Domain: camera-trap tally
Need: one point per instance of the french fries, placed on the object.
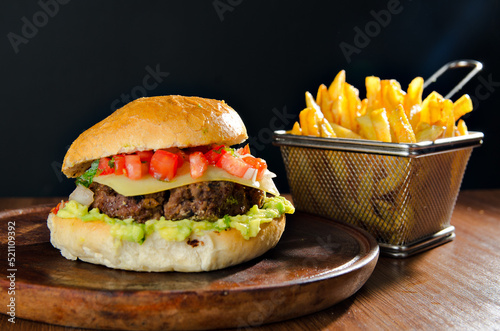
(387, 114)
(376, 192)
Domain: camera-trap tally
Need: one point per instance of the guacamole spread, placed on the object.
(248, 224)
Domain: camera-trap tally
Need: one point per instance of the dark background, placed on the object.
(71, 68)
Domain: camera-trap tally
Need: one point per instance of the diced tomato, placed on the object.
(256, 163)
(215, 153)
(133, 166)
(213, 156)
(244, 150)
(104, 168)
(198, 164)
(183, 157)
(164, 165)
(233, 165)
(119, 161)
(145, 156)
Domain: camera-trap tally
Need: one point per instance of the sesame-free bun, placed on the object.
(153, 123)
(92, 242)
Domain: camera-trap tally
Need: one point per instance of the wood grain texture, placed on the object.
(455, 285)
(316, 264)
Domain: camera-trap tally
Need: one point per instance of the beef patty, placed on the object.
(197, 201)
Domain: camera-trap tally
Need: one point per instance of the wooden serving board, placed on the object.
(316, 264)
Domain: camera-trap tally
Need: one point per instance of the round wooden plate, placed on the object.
(316, 264)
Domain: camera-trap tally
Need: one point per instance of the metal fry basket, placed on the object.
(403, 194)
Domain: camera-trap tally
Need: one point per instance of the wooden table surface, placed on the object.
(453, 286)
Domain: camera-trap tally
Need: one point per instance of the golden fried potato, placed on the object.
(400, 126)
(343, 132)
(381, 125)
(462, 106)
(388, 113)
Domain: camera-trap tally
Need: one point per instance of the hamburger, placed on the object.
(161, 187)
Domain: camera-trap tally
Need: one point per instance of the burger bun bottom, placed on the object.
(92, 242)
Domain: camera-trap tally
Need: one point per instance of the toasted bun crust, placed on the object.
(154, 123)
(92, 242)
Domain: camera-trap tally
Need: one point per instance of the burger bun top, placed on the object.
(153, 123)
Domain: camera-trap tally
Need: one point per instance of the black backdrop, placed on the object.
(66, 65)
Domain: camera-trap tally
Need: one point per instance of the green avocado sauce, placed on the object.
(248, 224)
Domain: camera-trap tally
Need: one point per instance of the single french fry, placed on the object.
(431, 108)
(319, 96)
(427, 132)
(381, 125)
(311, 104)
(342, 132)
(336, 110)
(414, 116)
(296, 129)
(312, 122)
(364, 105)
(366, 127)
(372, 93)
(393, 94)
(462, 106)
(449, 119)
(325, 129)
(324, 102)
(303, 122)
(335, 89)
(384, 87)
(400, 126)
(462, 128)
(353, 105)
(414, 94)
(345, 117)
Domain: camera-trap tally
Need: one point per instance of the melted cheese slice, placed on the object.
(147, 184)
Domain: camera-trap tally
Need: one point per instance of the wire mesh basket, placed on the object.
(403, 194)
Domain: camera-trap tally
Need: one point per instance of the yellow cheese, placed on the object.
(147, 184)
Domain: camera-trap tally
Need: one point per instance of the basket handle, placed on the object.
(478, 66)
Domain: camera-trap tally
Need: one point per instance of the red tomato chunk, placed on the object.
(164, 165)
(233, 165)
(133, 166)
(198, 164)
(119, 168)
(104, 166)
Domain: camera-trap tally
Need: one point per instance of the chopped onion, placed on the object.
(82, 195)
(269, 174)
(251, 174)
